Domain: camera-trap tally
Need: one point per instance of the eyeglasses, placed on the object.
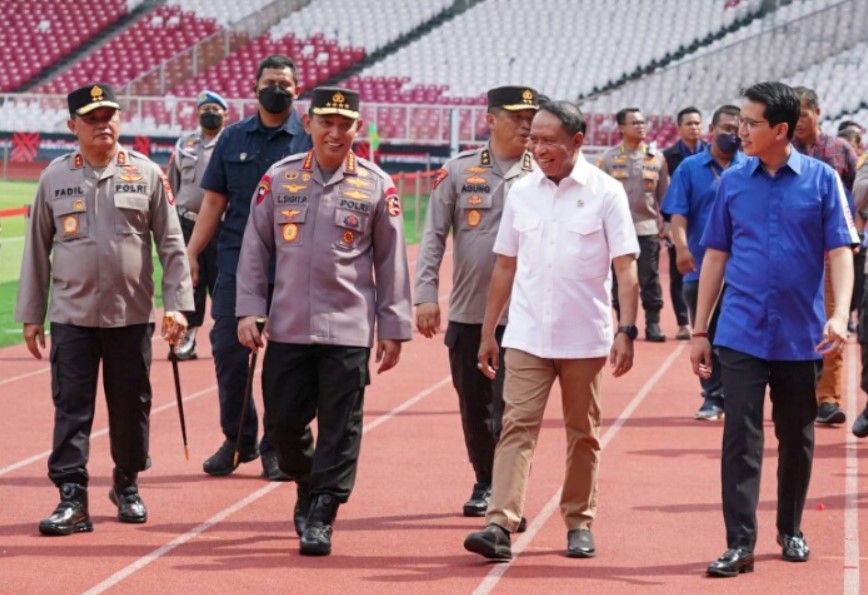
(751, 124)
(637, 123)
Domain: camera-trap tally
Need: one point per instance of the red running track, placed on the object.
(659, 521)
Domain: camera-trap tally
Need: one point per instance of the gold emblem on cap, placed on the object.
(338, 100)
(96, 93)
(527, 96)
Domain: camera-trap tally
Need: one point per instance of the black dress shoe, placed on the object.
(795, 549)
(580, 544)
(302, 507)
(271, 468)
(493, 543)
(860, 426)
(654, 334)
(125, 495)
(317, 537)
(222, 462)
(71, 514)
(733, 562)
(478, 502)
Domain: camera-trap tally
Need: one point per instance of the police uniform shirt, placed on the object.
(332, 239)
(187, 167)
(244, 152)
(467, 196)
(645, 178)
(97, 228)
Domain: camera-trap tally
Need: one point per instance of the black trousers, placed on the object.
(793, 388)
(328, 382)
(712, 387)
(126, 363)
(862, 335)
(207, 274)
(480, 400)
(676, 291)
(650, 292)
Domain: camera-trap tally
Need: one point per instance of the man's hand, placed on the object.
(34, 337)
(388, 354)
(428, 319)
(488, 356)
(249, 335)
(684, 261)
(700, 356)
(621, 355)
(174, 327)
(834, 337)
(193, 260)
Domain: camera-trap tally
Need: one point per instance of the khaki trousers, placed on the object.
(829, 387)
(529, 380)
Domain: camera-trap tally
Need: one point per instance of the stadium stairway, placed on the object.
(404, 40)
(93, 44)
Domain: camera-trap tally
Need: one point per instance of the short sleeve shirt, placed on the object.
(564, 237)
(776, 230)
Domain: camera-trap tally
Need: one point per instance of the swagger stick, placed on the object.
(168, 323)
(248, 391)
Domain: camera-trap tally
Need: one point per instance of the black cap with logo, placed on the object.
(325, 101)
(513, 99)
(88, 98)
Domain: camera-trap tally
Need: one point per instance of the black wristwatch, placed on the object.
(629, 330)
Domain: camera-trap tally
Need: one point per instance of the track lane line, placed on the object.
(851, 484)
(158, 553)
(104, 431)
(494, 576)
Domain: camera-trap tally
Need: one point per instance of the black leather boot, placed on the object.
(125, 495)
(317, 537)
(302, 506)
(71, 515)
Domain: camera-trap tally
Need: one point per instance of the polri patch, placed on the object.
(439, 177)
(263, 188)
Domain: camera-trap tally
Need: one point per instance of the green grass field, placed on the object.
(14, 195)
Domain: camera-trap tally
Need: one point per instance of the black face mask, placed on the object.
(274, 99)
(210, 120)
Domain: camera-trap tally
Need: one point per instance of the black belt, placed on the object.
(187, 214)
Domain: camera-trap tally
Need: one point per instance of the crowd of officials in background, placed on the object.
(300, 244)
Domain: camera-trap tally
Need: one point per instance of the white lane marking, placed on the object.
(181, 540)
(851, 482)
(491, 580)
(104, 431)
(122, 574)
(23, 376)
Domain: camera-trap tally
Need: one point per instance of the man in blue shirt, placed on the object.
(689, 122)
(773, 219)
(686, 206)
(243, 154)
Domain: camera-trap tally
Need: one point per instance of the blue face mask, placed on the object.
(728, 143)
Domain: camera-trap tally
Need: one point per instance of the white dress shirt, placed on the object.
(565, 237)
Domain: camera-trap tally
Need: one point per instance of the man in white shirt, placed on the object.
(562, 227)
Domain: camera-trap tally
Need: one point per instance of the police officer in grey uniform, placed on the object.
(97, 215)
(467, 197)
(186, 168)
(643, 172)
(333, 222)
